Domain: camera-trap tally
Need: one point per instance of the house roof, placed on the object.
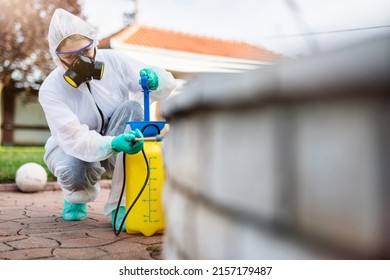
(153, 37)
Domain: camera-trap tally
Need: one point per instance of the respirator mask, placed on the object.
(82, 69)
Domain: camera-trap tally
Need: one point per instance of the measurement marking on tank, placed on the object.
(151, 189)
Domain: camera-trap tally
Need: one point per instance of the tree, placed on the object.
(24, 51)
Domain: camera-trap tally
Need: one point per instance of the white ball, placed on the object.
(31, 177)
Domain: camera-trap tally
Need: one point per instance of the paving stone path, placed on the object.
(31, 227)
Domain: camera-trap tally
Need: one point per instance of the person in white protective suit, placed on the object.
(87, 100)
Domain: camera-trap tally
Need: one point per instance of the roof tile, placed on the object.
(147, 36)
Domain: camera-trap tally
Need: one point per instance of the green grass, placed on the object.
(11, 158)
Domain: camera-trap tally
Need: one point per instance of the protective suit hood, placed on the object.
(64, 24)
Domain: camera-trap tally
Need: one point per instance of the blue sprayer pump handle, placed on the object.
(147, 127)
(145, 87)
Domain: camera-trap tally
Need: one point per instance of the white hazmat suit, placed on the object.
(84, 121)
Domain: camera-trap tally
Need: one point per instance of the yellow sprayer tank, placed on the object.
(147, 214)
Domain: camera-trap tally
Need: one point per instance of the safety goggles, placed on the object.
(83, 51)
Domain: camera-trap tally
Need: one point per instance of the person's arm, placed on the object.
(74, 138)
(160, 77)
(129, 70)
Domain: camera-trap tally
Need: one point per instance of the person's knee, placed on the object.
(133, 110)
(128, 111)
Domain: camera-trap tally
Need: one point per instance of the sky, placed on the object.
(273, 24)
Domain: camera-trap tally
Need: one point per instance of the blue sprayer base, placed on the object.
(148, 128)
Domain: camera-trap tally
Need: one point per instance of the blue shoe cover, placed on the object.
(121, 214)
(74, 211)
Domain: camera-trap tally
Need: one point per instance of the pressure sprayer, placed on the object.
(144, 177)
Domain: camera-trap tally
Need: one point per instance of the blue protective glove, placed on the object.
(125, 142)
(152, 78)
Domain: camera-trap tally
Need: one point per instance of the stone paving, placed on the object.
(31, 228)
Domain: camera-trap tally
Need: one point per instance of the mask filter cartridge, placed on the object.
(83, 69)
